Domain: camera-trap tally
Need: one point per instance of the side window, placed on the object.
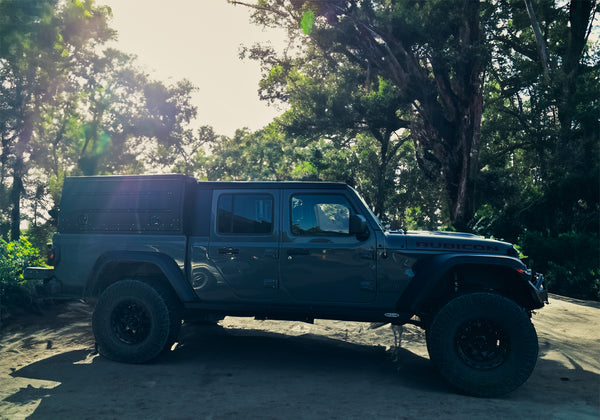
(245, 214)
(320, 214)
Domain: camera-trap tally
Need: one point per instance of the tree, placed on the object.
(127, 116)
(335, 102)
(264, 155)
(542, 120)
(37, 44)
(541, 180)
(434, 54)
(69, 106)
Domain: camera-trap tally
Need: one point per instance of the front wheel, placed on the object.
(483, 344)
(131, 322)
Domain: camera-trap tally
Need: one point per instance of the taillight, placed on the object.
(52, 255)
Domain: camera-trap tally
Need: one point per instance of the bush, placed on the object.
(570, 262)
(14, 257)
(40, 236)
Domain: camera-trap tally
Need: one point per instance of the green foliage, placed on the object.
(304, 170)
(374, 67)
(540, 167)
(43, 44)
(40, 235)
(14, 257)
(70, 105)
(267, 154)
(568, 260)
(307, 22)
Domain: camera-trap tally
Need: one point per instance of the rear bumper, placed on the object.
(47, 284)
(38, 273)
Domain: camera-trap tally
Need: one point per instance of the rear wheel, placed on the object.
(174, 306)
(483, 344)
(131, 322)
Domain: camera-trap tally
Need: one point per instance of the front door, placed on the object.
(321, 261)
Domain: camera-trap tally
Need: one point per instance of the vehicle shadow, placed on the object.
(220, 372)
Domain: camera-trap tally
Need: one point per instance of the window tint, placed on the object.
(314, 214)
(245, 213)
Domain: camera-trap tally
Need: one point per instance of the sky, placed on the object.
(199, 40)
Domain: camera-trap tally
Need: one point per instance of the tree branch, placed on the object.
(539, 39)
(258, 7)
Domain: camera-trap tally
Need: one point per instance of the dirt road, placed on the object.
(244, 368)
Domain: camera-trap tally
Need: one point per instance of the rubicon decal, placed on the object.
(457, 246)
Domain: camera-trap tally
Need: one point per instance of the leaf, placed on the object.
(307, 22)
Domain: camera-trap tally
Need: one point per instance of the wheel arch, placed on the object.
(114, 266)
(443, 277)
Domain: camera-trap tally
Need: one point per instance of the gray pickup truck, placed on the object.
(151, 251)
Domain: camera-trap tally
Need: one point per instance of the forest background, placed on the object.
(471, 115)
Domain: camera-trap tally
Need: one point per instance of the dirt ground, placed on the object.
(244, 368)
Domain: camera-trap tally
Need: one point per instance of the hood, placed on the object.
(449, 242)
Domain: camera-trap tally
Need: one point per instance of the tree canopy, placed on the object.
(431, 55)
(71, 105)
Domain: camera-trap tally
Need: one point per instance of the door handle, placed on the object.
(298, 251)
(228, 251)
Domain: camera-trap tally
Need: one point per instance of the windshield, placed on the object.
(379, 224)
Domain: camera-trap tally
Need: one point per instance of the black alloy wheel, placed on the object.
(482, 344)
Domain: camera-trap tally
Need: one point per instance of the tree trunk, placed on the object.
(460, 171)
(447, 128)
(579, 19)
(18, 174)
(449, 123)
(15, 199)
(381, 171)
(540, 41)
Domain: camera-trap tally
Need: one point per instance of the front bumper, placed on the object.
(538, 290)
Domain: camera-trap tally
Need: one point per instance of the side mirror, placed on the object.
(358, 225)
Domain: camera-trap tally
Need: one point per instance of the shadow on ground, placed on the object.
(228, 372)
(219, 372)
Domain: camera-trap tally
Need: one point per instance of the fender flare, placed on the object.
(430, 272)
(163, 262)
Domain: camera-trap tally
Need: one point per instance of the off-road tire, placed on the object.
(131, 322)
(483, 344)
(174, 306)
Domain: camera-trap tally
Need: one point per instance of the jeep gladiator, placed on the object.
(152, 250)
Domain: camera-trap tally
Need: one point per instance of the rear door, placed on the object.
(244, 241)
